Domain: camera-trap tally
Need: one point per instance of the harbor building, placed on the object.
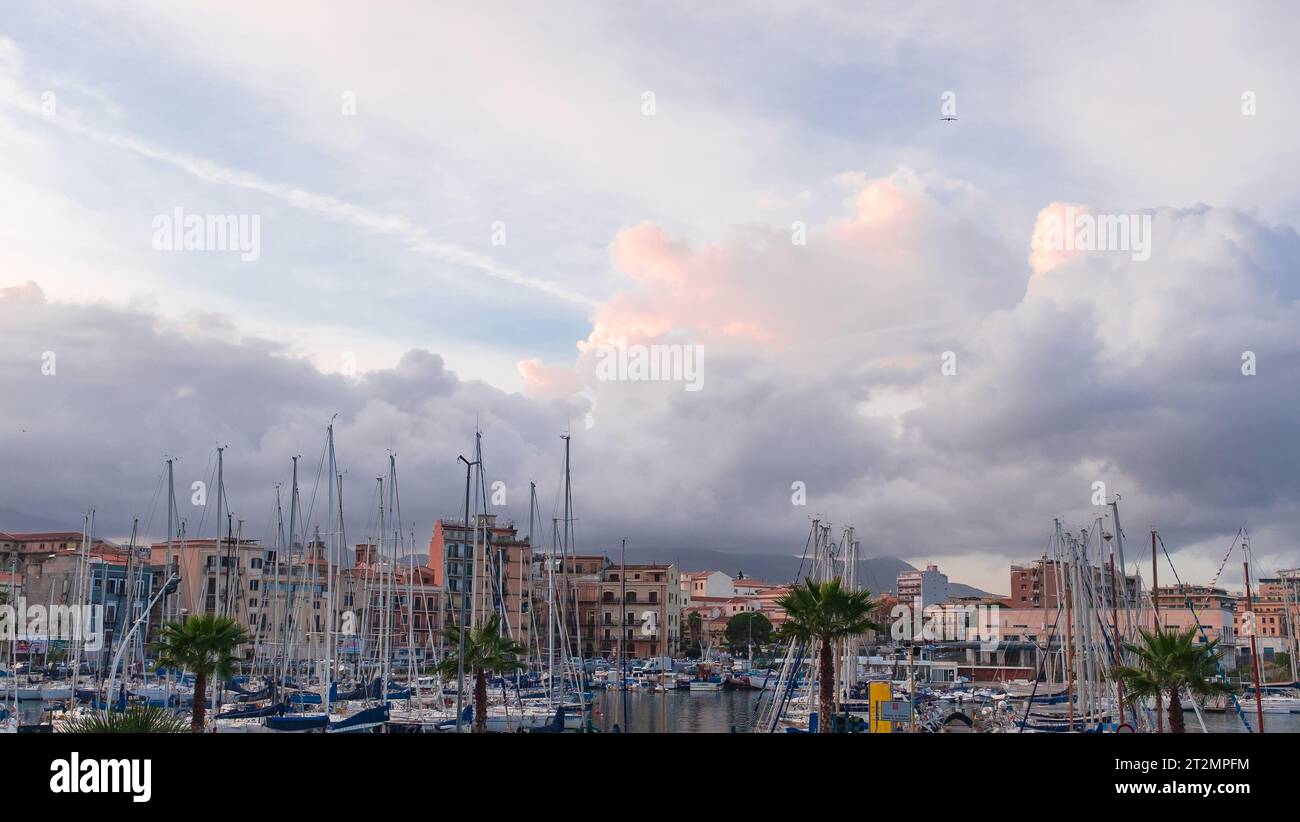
(484, 568)
(707, 585)
(641, 611)
(413, 624)
(574, 583)
(923, 588)
(1276, 613)
(1039, 584)
(117, 585)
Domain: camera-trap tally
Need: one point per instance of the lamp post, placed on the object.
(460, 596)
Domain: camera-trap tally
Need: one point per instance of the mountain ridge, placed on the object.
(877, 574)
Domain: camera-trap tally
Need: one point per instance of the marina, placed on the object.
(494, 635)
(769, 369)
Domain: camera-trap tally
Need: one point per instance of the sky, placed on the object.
(466, 213)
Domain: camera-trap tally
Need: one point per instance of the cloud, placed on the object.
(415, 237)
(545, 381)
(28, 292)
(680, 229)
(1115, 371)
(1110, 369)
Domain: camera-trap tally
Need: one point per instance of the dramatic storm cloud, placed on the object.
(474, 220)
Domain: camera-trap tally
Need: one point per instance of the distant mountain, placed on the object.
(877, 574)
(12, 521)
(957, 589)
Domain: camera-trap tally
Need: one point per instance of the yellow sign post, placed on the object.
(877, 693)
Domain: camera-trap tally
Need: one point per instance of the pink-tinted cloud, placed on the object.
(1045, 252)
(28, 292)
(543, 381)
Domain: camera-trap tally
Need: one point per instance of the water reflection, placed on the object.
(677, 711)
(720, 711)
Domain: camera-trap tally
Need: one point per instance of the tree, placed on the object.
(134, 720)
(825, 612)
(748, 629)
(486, 651)
(1170, 661)
(691, 635)
(203, 645)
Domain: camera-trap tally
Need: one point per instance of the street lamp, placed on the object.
(460, 595)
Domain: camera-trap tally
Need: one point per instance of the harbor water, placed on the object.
(678, 711)
(723, 711)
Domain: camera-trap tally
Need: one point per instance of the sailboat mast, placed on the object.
(622, 596)
(330, 559)
(288, 548)
(385, 603)
(581, 673)
(1155, 608)
(532, 514)
(217, 551)
(342, 542)
(460, 607)
(551, 612)
(1254, 647)
(82, 599)
(171, 530)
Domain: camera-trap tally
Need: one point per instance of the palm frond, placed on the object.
(134, 720)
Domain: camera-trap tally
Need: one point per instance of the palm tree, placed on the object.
(825, 612)
(486, 651)
(204, 645)
(134, 720)
(1170, 661)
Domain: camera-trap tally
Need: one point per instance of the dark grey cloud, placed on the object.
(1107, 370)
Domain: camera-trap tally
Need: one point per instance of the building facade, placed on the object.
(641, 611)
(926, 588)
(484, 568)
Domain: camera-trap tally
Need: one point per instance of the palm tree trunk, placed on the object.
(1176, 724)
(480, 702)
(199, 703)
(826, 684)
